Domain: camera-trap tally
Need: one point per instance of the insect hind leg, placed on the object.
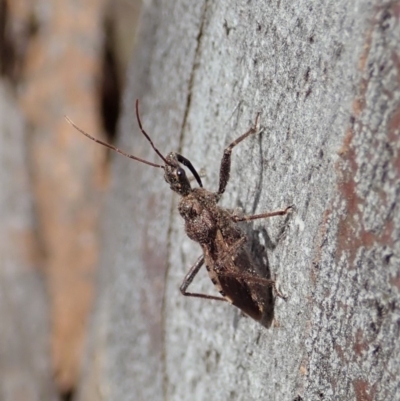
(247, 277)
(189, 278)
(251, 279)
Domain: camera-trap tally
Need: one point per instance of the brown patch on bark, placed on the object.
(363, 390)
(360, 345)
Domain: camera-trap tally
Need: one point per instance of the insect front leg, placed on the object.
(225, 168)
(189, 278)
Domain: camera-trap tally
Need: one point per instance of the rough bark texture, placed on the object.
(325, 78)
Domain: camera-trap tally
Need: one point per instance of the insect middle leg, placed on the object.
(189, 278)
(225, 168)
(281, 212)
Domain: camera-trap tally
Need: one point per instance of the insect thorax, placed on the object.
(203, 218)
(200, 211)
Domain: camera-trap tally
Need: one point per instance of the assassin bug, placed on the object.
(229, 264)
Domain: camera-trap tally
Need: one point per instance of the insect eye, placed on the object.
(180, 172)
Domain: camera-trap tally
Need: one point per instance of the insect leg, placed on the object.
(232, 250)
(262, 215)
(225, 168)
(189, 278)
(249, 278)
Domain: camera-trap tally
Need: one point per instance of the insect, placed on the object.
(229, 264)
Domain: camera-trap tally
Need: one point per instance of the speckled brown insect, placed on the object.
(228, 262)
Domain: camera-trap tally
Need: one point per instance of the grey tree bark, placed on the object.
(325, 78)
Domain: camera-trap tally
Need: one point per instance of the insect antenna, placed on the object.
(107, 145)
(189, 165)
(146, 135)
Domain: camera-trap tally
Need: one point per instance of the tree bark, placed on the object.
(25, 366)
(325, 79)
